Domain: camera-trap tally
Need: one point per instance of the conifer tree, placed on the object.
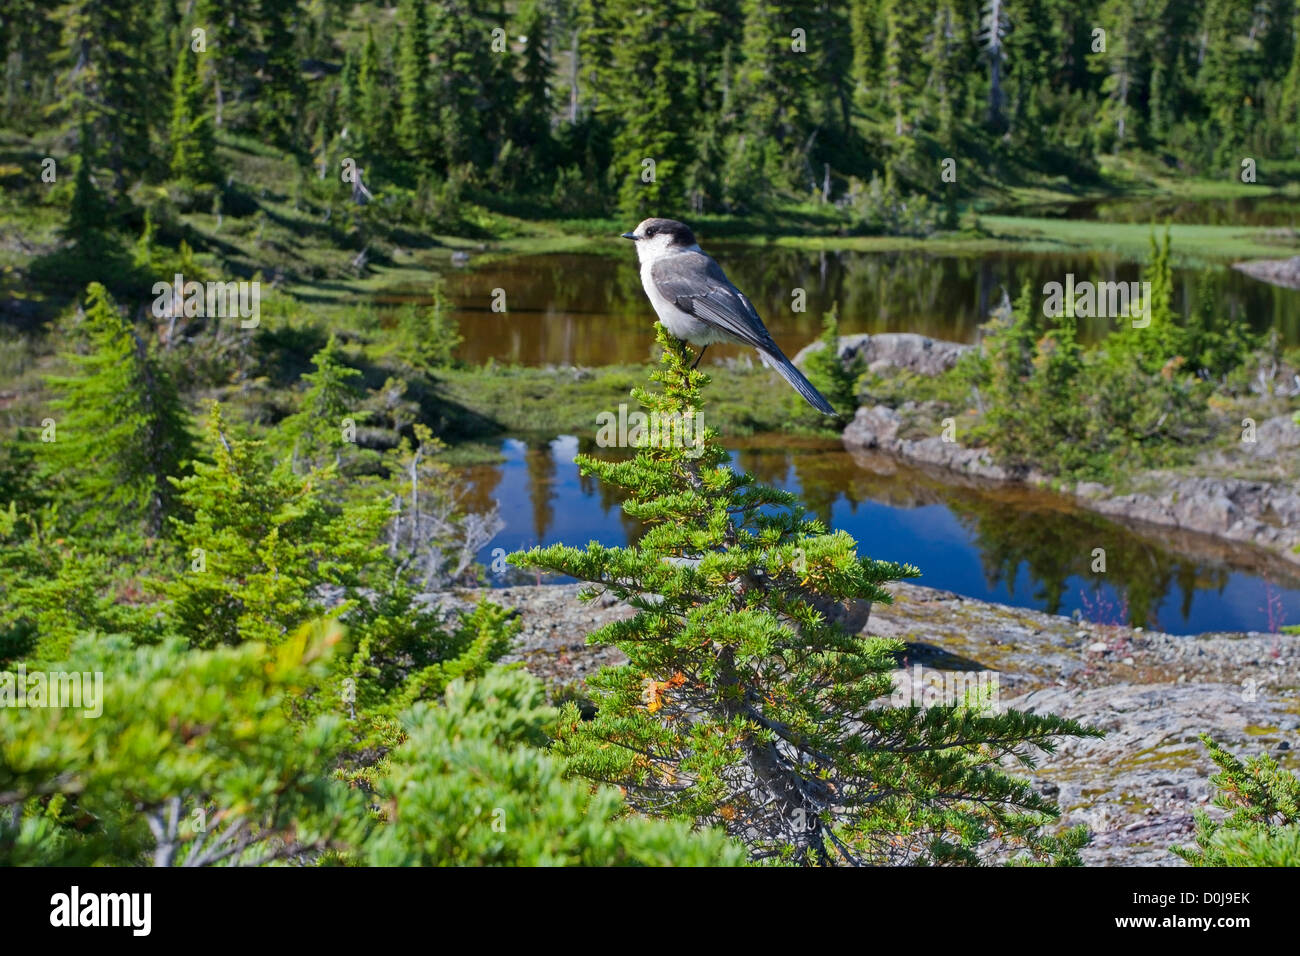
(193, 139)
(87, 224)
(532, 108)
(415, 127)
(1010, 341)
(750, 700)
(1153, 340)
(1211, 340)
(426, 335)
(222, 758)
(1262, 826)
(471, 76)
(122, 430)
(771, 96)
(31, 35)
(317, 430)
(1224, 79)
(195, 759)
(280, 100)
(992, 37)
(1290, 98)
(55, 587)
(942, 86)
(228, 37)
(1122, 74)
(373, 120)
(866, 32)
(594, 24)
(1031, 48)
(350, 101)
(473, 785)
(111, 84)
(825, 67)
(644, 72)
(258, 543)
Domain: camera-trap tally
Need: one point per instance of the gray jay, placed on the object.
(697, 303)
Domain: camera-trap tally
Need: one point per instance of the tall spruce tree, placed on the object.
(1224, 80)
(867, 31)
(994, 27)
(193, 140)
(772, 95)
(415, 126)
(280, 100)
(29, 45)
(228, 37)
(474, 81)
(1122, 79)
(1290, 98)
(531, 132)
(643, 78)
(373, 121)
(111, 81)
(87, 224)
(750, 701)
(121, 430)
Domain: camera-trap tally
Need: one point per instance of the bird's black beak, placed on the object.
(628, 235)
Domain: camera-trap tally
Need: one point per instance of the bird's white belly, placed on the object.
(681, 325)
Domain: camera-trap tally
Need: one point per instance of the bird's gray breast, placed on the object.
(679, 323)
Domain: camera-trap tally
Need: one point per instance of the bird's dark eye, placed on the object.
(650, 231)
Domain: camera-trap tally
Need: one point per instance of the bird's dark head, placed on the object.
(662, 234)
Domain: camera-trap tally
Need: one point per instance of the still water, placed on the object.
(589, 309)
(1018, 547)
(1014, 546)
(1272, 211)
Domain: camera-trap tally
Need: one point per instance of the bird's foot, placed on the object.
(703, 349)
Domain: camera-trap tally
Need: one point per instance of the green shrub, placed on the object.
(1128, 403)
(195, 756)
(474, 785)
(1263, 825)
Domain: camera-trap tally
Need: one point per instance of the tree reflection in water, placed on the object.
(1016, 545)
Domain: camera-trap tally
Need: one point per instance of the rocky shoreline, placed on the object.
(1261, 513)
(1153, 693)
(1214, 501)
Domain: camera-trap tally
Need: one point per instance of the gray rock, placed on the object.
(1258, 512)
(903, 350)
(1283, 272)
(877, 427)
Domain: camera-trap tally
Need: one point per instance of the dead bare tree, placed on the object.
(434, 537)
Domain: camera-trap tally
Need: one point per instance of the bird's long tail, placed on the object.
(796, 378)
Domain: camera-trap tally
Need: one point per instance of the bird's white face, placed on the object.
(656, 238)
(650, 245)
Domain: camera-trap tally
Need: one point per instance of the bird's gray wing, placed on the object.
(697, 285)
